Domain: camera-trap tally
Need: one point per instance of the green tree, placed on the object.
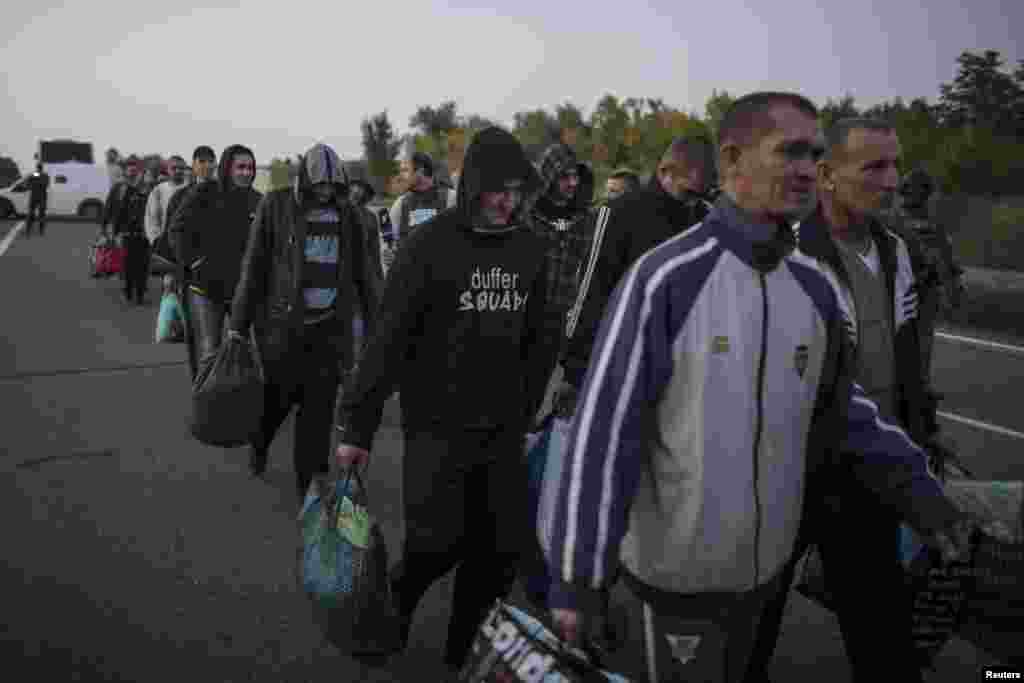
(574, 130)
(536, 130)
(280, 173)
(609, 122)
(715, 108)
(834, 110)
(434, 122)
(984, 94)
(380, 147)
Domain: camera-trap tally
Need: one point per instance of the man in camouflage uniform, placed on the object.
(931, 252)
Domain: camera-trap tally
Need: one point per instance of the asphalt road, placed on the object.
(133, 553)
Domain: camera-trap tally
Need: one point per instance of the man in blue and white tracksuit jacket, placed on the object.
(719, 389)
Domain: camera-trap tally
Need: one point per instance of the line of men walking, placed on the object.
(740, 389)
(728, 387)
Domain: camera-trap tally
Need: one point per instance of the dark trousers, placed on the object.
(308, 377)
(136, 266)
(465, 505)
(36, 211)
(706, 637)
(206, 317)
(860, 560)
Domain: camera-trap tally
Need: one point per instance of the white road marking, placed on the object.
(11, 236)
(980, 342)
(981, 425)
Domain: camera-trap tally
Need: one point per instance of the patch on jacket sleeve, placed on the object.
(720, 345)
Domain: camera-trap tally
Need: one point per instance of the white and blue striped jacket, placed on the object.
(714, 387)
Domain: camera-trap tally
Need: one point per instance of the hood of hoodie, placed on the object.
(224, 167)
(320, 164)
(558, 159)
(494, 157)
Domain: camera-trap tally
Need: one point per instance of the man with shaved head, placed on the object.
(636, 222)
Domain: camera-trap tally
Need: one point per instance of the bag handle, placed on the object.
(349, 473)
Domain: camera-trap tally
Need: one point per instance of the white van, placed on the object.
(75, 190)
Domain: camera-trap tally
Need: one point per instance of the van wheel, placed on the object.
(92, 211)
(6, 209)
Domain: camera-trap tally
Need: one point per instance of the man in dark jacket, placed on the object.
(204, 166)
(305, 270)
(125, 213)
(209, 231)
(461, 335)
(635, 223)
(39, 186)
(870, 267)
(559, 213)
(940, 281)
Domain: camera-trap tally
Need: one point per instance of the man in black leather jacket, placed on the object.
(305, 273)
(209, 231)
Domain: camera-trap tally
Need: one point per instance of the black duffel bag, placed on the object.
(227, 395)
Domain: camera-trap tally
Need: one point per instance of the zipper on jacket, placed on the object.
(759, 428)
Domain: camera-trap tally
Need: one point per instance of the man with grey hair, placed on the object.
(721, 391)
(870, 268)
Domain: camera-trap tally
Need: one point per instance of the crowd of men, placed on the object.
(747, 373)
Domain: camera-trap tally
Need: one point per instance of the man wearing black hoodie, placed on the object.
(462, 336)
(559, 213)
(306, 270)
(638, 221)
(209, 231)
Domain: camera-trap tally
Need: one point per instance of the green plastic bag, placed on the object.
(170, 322)
(344, 567)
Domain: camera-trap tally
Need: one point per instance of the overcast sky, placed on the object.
(162, 77)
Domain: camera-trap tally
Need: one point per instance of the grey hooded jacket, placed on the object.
(269, 293)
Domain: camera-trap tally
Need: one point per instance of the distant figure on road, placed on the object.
(462, 340)
(210, 230)
(39, 186)
(303, 320)
(124, 213)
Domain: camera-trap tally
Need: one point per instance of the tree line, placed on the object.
(971, 139)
